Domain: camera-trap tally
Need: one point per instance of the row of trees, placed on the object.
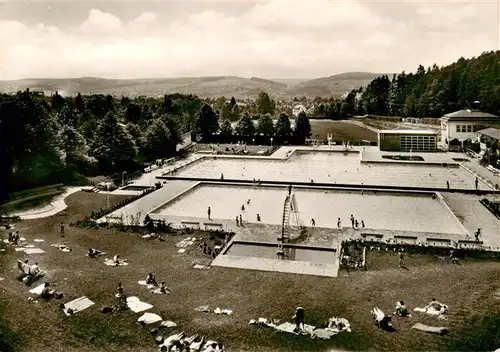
(45, 140)
(210, 124)
(432, 92)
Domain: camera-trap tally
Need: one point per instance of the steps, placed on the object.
(285, 230)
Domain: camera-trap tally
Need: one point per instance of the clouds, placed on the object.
(297, 38)
(101, 23)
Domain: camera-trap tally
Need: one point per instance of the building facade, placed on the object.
(408, 140)
(487, 137)
(460, 126)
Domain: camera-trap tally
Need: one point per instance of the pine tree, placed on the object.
(245, 127)
(283, 127)
(265, 126)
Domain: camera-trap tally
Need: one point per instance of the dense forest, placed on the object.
(430, 92)
(47, 140)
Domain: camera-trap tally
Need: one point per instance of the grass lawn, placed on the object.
(341, 131)
(466, 288)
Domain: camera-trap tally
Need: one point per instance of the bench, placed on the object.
(401, 237)
(109, 217)
(492, 169)
(285, 238)
(441, 240)
(470, 244)
(376, 235)
(213, 225)
(190, 224)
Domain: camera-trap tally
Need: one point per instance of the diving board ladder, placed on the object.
(289, 209)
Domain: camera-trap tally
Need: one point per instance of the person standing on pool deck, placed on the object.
(477, 183)
(339, 224)
(448, 184)
(237, 222)
(477, 234)
(313, 223)
(209, 211)
(352, 220)
(241, 221)
(362, 223)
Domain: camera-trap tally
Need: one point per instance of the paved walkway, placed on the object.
(483, 173)
(135, 212)
(474, 215)
(57, 205)
(149, 179)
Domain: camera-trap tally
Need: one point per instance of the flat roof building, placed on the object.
(408, 140)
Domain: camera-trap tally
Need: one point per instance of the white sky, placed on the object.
(286, 39)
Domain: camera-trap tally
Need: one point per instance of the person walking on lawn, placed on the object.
(62, 229)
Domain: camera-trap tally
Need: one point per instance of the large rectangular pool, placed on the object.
(379, 210)
(329, 167)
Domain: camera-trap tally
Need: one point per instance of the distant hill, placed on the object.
(336, 85)
(215, 86)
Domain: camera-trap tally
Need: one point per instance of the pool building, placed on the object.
(408, 140)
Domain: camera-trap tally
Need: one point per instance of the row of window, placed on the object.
(418, 143)
(468, 128)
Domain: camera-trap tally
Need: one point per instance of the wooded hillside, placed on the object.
(432, 92)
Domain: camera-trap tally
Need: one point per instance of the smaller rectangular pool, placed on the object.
(295, 252)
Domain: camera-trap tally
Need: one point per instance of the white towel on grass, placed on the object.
(77, 305)
(149, 318)
(37, 290)
(136, 306)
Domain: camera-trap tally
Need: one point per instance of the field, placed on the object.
(341, 131)
(466, 288)
(392, 125)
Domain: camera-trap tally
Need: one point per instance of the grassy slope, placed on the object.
(467, 289)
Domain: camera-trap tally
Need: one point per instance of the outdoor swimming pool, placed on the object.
(330, 167)
(269, 251)
(380, 210)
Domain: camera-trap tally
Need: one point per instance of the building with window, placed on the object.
(297, 109)
(487, 137)
(460, 126)
(408, 140)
